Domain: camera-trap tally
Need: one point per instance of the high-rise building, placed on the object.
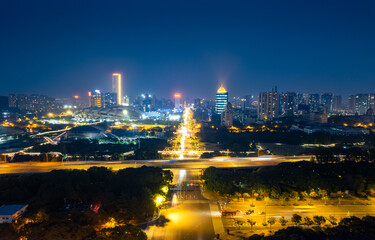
(177, 100)
(364, 102)
(109, 99)
(117, 87)
(302, 98)
(221, 99)
(227, 116)
(327, 101)
(288, 103)
(12, 100)
(95, 98)
(34, 103)
(314, 102)
(268, 107)
(337, 103)
(351, 103)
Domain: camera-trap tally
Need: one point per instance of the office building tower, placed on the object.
(177, 101)
(337, 103)
(227, 116)
(364, 102)
(117, 87)
(221, 100)
(288, 103)
(12, 100)
(302, 98)
(268, 106)
(314, 102)
(95, 98)
(126, 101)
(109, 99)
(351, 103)
(327, 101)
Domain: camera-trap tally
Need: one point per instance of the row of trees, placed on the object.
(295, 219)
(78, 204)
(297, 180)
(337, 154)
(346, 229)
(86, 149)
(239, 141)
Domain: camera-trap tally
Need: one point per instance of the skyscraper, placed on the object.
(314, 102)
(288, 101)
(177, 99)
(221, 99)
(364, 102)
(337, 103)
(109, 99)
(268, 107)
(117, 87)
(327, 101)
(227, 116)
(95, 98)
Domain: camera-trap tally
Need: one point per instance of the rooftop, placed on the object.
(10, 209)
(221, 89)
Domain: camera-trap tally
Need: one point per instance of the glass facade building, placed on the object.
(221, 100)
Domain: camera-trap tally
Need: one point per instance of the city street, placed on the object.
(35, 167)
(190, 214)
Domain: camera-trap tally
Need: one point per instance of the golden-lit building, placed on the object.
(95, 98)
(117, 87)
(221, 99)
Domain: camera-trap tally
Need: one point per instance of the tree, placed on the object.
(284, 196)
(319, 220)
(271, 221)
(308, 221)
(239, 223)
(252, 223)
(296, 219)
(332, 220)
(283, 221)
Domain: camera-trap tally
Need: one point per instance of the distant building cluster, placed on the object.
(34, 103)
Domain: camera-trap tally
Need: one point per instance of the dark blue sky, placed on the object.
(61, 48)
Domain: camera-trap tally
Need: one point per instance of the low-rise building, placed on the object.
(10, 213)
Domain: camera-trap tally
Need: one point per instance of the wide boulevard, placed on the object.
(222, 162)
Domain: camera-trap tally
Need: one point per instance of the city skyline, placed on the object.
(248, 47)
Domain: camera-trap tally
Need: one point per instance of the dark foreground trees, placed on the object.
(80, 204)
(295, 180)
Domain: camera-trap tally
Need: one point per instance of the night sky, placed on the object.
(61, 48)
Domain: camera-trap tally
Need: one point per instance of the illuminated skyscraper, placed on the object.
(268, 107)
(314, 102)
(327, 101)
(221, 99)
(95, 98)
(117, 87)
(177, 99)
(109, 99)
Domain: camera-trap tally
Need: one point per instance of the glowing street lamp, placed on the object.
(165, 189)
(159, 199)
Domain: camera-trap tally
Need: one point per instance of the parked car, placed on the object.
(248, 212)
